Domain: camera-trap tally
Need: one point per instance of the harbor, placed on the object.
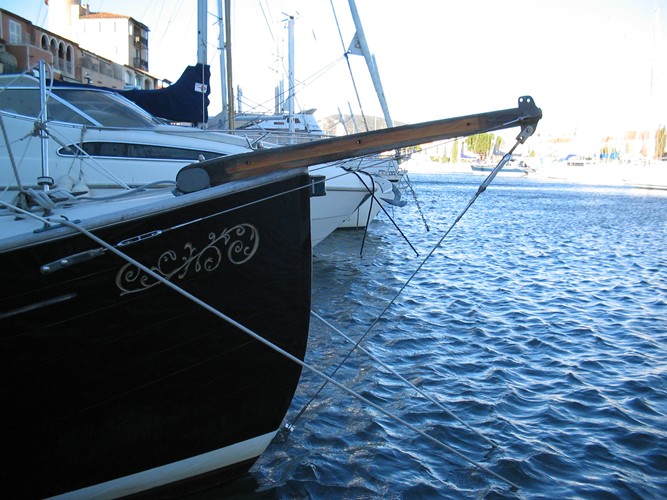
(215, 291)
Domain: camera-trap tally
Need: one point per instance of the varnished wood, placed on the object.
(264, 161)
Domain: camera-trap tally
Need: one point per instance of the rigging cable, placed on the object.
(11, 155)
(80, 153)
(349, 67)
(373, 197)
(414, 197)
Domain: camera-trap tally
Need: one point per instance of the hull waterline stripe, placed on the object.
(177, 471)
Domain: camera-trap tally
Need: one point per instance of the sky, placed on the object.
(595, 67)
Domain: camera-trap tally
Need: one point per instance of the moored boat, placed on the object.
(513, 167)
(103, 144)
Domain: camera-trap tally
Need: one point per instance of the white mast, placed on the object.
(370, 62)
(226, 83)
(222, 47)
(290, 73)
(202, 42)
(202, 31)
(228, 53)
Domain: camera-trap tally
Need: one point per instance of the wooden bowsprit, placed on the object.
(217, 171)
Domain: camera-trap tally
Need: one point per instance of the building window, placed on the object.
(14, 32)
(45, 42)
(53, 48)
(69, 60)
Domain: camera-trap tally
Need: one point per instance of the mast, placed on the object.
(228, 54)
(202, 31)
(223, 63)
(45, 180)
(290, 73)
(202, 45)
(225, 46)
(370, 62)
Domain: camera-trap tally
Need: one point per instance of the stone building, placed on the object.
(102, 49)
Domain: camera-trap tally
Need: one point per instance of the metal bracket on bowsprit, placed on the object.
(530, 115)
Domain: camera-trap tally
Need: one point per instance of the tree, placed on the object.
(455, 151)
(498, 143)
(660, 142)
(480, 144)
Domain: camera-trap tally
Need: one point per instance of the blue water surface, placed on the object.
(540, 321)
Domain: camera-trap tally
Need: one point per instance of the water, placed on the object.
(541, 321)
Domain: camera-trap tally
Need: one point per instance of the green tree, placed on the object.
(455, 151)
(480, 144)
(660, 142)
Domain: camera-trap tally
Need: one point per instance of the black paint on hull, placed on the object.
(101, 384)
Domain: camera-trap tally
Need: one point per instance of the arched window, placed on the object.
(128, 78)
(45, 42)
(53, 48)
(59, 63)
(69, 59)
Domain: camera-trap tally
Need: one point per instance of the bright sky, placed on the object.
(587, 63)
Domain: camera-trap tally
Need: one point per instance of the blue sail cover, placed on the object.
(181, 101)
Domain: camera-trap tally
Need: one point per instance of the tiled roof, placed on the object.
(104, 15)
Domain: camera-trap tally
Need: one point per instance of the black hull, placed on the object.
(104, 377)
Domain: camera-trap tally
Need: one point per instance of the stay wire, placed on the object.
(472, 200)
(349, 66)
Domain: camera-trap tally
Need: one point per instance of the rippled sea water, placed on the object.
(540, 322)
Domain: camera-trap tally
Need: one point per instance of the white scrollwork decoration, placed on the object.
(238, 244)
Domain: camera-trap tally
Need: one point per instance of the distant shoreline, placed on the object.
(652, 176)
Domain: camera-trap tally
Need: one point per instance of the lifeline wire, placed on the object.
(520, 140)
(279, 350)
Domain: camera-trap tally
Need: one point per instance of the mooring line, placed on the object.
(281, 351)
(372, 193)
(414, 197)
(405, 380)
